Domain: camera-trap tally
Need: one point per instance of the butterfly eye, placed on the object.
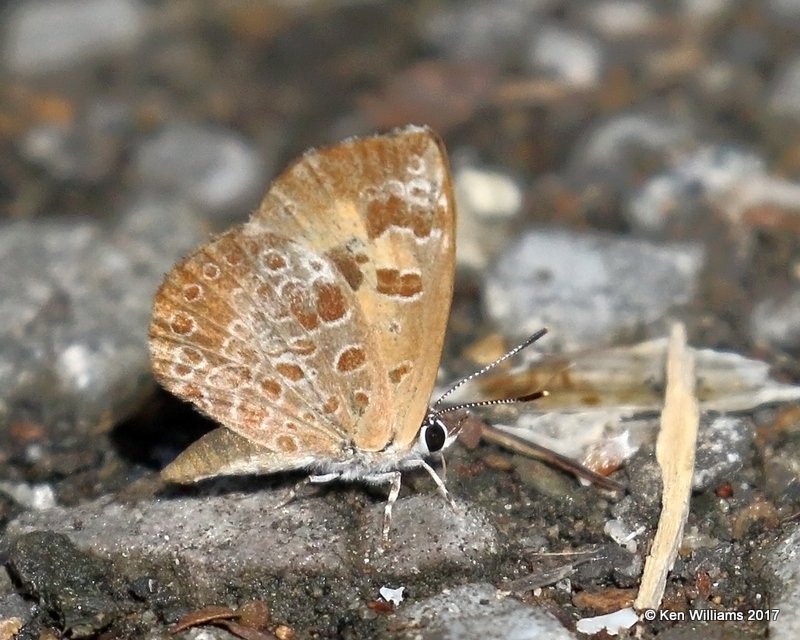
(433, 436)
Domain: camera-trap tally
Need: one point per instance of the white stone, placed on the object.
(572, 57)
(612, 623)
(487, 193)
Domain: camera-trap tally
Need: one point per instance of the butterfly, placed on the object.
(312, 333)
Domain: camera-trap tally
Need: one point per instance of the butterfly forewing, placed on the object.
(319, 323)
(381, 211)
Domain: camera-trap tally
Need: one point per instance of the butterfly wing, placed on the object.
(254, 329)
(319, 323)
(382, 211)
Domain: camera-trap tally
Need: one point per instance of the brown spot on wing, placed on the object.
(350, 359)
(393, 283)
(192, 392)
(181, 370)
(274, 261)
(395, 212)
(348, 265)
(233, 255)
(286, 444)
(331, 305)
(210, 271)
(360, 401)
(271, 388)
(300, 305)
(290, 371)
(331, 405)
(182, 325)
(399, 372)
(229, 377)
(192, 356)
(192, 292)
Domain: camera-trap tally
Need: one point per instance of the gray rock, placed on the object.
(76, 587)
(427, 533)
(785, 562)
(622, 19)
(54, 34)
(203, 545)
(36, 496)
(186, 539)
(703, 176)
(75, 300)
(87, 149)
(481, 30)
(785, 13)
(13, 605)
(782, 473)
(723, 447)
(784, 98)
(589, 289)
(15, 612)
(611, 148)
(775, 321)
(213, 168)
(486, 193)
(474, 612)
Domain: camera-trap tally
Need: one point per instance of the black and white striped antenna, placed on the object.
(487, 403)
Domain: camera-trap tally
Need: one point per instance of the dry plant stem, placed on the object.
(675, 452)
(532, 450)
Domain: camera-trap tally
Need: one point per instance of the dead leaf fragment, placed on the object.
(9, 628)
(203, 616)
(605, 600)
(255, 614)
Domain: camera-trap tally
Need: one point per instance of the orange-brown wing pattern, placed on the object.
(320, 322)
(382, 211)
(254, 329)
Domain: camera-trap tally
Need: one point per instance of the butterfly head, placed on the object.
(435, 434)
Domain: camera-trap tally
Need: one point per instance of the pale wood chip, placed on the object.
(675, 452)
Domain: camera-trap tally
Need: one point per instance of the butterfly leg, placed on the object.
(290, 497)
(439, 483)
(394, 479)
(328, 477)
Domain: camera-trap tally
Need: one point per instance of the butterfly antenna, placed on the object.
(488, 403)
(484, 403)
